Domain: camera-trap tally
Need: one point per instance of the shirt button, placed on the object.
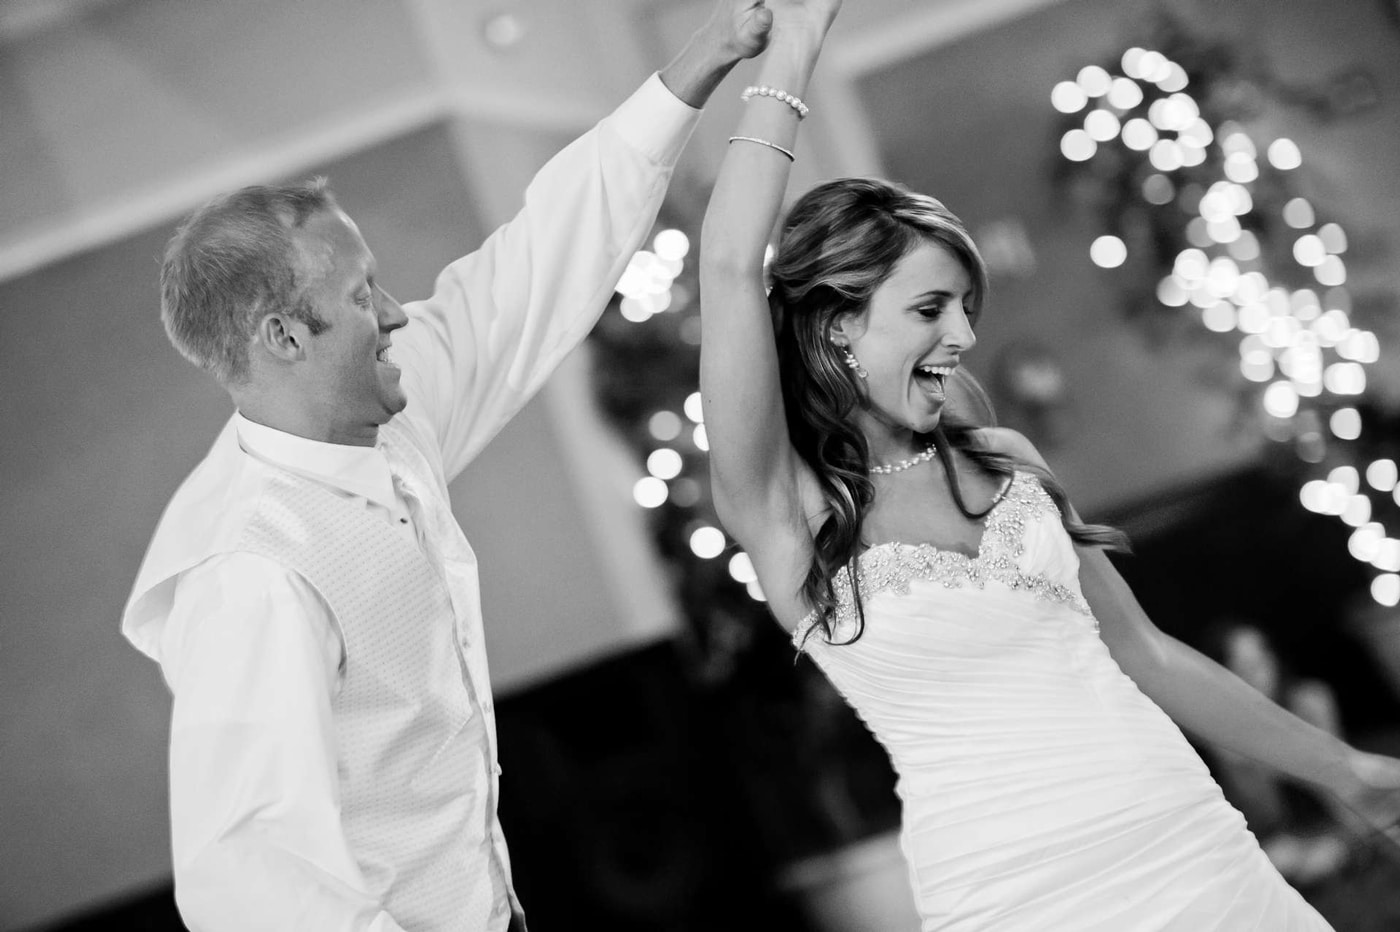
(496, 769)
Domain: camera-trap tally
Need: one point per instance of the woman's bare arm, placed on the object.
(1208, 700)
(757, 477)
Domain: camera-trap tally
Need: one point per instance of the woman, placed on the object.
(938, 577)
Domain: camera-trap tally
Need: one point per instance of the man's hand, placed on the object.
(741, 26)
(736, 29)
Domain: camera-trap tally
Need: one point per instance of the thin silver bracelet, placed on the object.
(764, 142)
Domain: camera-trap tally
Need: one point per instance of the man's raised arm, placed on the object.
(501, 318)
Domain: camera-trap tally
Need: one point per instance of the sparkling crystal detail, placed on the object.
(891, 566)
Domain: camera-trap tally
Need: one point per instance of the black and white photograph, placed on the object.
(700, 465)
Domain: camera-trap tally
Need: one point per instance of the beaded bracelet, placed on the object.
(763, 90)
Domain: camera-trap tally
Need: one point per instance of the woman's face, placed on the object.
(909, 340)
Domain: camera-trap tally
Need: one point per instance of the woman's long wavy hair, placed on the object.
(839, 243)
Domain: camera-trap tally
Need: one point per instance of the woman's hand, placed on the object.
(809, 19)
(1370, 793)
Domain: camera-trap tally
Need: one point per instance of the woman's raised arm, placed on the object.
(754, 470)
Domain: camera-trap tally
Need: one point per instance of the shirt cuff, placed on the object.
(655, 121)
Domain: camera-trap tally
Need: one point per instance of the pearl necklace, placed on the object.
(885, 469)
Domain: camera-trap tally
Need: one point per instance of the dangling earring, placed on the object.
(852, 363)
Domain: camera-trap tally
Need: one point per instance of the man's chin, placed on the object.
(392, 406)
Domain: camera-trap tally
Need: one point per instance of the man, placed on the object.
(312, 603)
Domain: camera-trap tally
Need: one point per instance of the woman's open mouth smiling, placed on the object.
(933, 379)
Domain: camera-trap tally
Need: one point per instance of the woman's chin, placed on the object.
(919, 418)
(926, 426)
(924, 421)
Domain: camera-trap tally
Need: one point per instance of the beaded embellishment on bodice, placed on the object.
(891, 566)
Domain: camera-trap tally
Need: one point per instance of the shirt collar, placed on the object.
(361, 471)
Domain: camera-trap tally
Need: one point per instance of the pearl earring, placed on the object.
(852, 363)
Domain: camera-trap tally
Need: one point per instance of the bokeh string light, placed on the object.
(649, 288)
(1298, 344)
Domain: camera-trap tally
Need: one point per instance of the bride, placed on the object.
(938, 576)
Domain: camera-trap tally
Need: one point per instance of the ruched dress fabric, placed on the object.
(1041, 790)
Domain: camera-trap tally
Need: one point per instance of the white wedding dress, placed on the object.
(1041, 790)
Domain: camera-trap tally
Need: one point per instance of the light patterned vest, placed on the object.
(415, 754)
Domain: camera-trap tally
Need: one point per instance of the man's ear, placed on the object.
(282, 337)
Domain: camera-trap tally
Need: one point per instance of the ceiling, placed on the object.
(20, 19)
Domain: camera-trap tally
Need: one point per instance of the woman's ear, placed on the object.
(845, 328)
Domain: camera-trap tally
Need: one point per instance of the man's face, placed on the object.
(353, 386)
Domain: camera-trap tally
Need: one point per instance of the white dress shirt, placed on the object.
(251, 651)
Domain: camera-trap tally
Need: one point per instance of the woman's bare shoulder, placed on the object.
(1010, 443)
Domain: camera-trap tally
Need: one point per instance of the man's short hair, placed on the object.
(231, 262)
